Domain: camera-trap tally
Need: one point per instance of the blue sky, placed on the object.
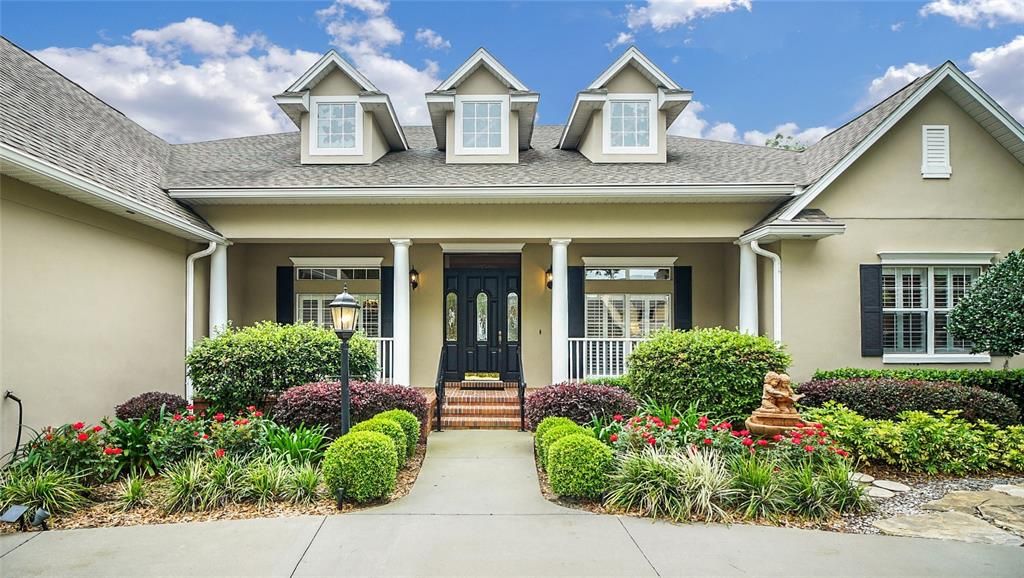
(755, 67)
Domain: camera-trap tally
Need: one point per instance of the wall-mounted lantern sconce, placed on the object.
(414, 278)
(549, 277)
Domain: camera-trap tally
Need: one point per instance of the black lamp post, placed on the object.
(344, 311)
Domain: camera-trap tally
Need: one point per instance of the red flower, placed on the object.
(97, 428)
(800, 424)
(675, 421)
(190, 407)
(808, 449)
(818, 425)
(744, 432)
(48, 437)
(190, 417)
(747, 442)
(112, 451)
(762, 442)
(843, 453)
(195, 433)
(708, 441)
(823, 433)
(218, 417)
(736, 434)
(702, 423)
(777, 437)
(83, 437)
(257, 414)
(613, 438)
(241, 421)
(251, 408)
(618, 417)
(177, 417)
(218, 453)
(77, 425)
(206, 436)
(652, 441)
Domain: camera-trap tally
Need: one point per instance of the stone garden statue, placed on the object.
(777, 412)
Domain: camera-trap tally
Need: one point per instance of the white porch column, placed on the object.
(560, 310)
(748, 290)
(218, 290)
(401, 313)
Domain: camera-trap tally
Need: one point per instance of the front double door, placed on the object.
(482, 323)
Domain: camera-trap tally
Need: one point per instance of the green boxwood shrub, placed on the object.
(410, 425)
(242, 366)
(390, 428)
(556, 433)
(1009, 382)
(720, 370)
(364, 463)
(578, 466)
(548, 423)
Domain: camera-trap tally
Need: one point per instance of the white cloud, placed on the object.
(363, 31)
(224, 90)
(432, 39)
(662, 15)
(893, 80)
(622, 38)
(807, 136)
(975, 12)
(896, 27)
(999, 71)
(691, 124)
(723, 131)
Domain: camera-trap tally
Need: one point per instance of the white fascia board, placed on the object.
(292, 99)
(937, 257)
(629, 261)
(667, 192)
(392, 115)
(943, 358)
(947, 70)
(482, 247)
(523, 100)
(482, 57)
(574, 127)
(632, 54)
(337, 261)
(331, 57)
(798, 231)
(46, 169)
(669, 99)
(440, 99)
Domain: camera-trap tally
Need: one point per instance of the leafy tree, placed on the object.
(991, 315)
(787, 142)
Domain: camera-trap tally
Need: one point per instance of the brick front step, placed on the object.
(467, 422)
(479, 409)
(463, 397)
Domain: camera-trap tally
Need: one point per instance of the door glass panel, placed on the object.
(451, 317)
(481, 316)
(513, 317)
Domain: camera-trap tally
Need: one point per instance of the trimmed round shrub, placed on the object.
(363, 463)
(579, 402)
(886, 398)
(242, 366)
(578, 466)
(390, 428)
(410, 425)
(556, 433)
(319, 403)
(548, 423)
(720, 370)
(147, 405)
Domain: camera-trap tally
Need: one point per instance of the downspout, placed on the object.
(190, 305)
(776, 288)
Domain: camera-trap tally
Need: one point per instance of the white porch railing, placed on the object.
(599, 357)
(385, 358)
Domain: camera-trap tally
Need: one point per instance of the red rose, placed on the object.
(613, 438)
(708, 441)
(83, 437)
(206, 436)
(190, 417)
(747, 442)
(777, 437)
(97, 428)
(819, 425)
(218, 417)
(218, 453)
(808, 449)
(744, 432)
(762, 442)
(736, 434)
(675, 421)
(652, 441)
(843, 453)
(257, 414)
(112, 451)
(177, 417)
(77, 425)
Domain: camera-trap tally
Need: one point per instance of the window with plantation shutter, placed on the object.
(634, 316)
(315, 308)
(935, 152)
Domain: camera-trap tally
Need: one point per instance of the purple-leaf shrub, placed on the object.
(319, 403)
(580, 402)
(148, 405)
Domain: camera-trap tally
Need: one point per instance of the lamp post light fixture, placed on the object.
(344, 312)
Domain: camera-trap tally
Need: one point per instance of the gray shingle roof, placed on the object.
(50, 117)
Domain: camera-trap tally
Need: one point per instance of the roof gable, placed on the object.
(633, 56)
(328, 62)
(485, 59)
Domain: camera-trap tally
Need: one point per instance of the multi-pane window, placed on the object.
(635, 316)
(915, 305)
(630, 273)
(315, 308)
(336, 273)
(630, 123)
(336, 125)
(481, 125)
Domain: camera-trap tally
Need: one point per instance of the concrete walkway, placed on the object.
(476, 510)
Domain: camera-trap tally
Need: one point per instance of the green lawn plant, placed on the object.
(364, 464)
(390, 428)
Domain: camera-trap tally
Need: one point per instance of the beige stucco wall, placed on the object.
(92, 309)
(337, 83)
(887, 206)
(628, 81)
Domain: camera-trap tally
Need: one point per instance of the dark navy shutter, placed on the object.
(682, 284)
(871, 310)
(387, 301)
(286, 295)
(577, 302)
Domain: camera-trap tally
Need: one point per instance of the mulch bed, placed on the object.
(105, 510)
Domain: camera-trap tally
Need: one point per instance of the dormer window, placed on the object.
(628, 125)
(336, 124)
(481, 125)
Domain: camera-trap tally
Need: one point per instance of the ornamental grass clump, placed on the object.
(410, 425)
(390, 428)
(56, 490)
(133, 493)
(578, 466)
(364, 464)
(759, 492)
(302, 486)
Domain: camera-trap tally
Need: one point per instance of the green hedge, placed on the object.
(578, 466)
(556, 433)
(364, 464)
(242, 366)
(721, 371)
(390, 428)
(1009, 382)
(410, 424)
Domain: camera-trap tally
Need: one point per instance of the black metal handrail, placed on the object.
(439, 387)
(522, 391)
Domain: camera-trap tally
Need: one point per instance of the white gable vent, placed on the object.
(935, 151)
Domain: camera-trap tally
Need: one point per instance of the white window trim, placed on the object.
(503, 99)
(652, 111)
(629, 261)
(936, 259)
(343, 262)
(934, 171)
(314, 148)
(900, 259)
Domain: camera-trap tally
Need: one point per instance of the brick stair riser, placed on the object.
(461, 400)
(462, 422)
(482, 410)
